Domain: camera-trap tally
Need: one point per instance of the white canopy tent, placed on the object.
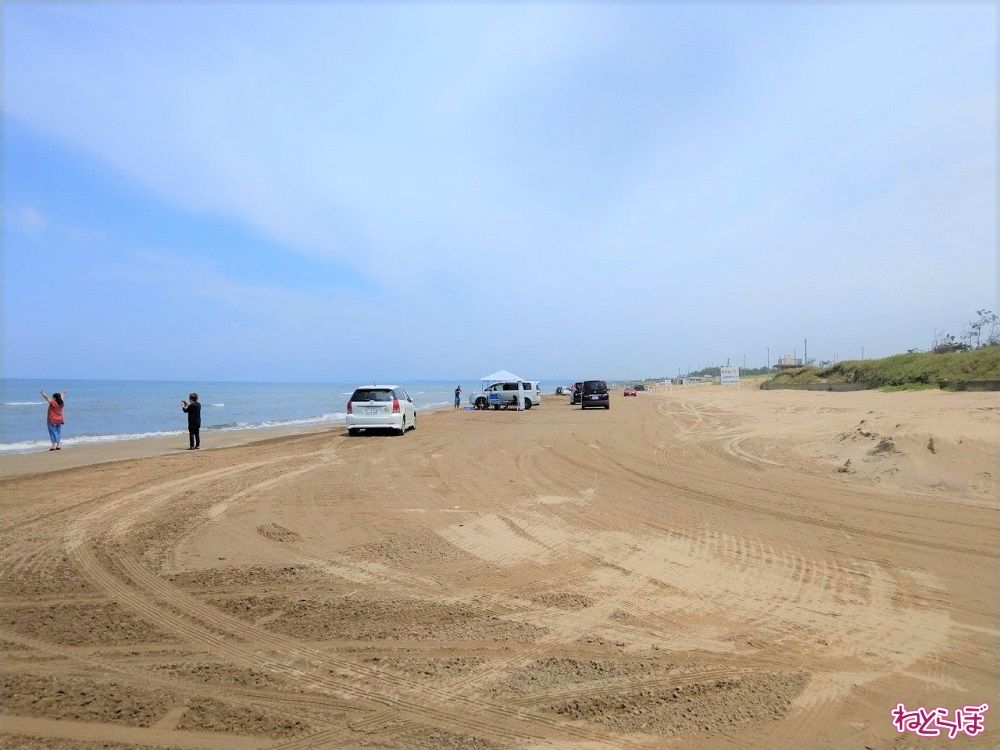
(501, 376)
(506, 376)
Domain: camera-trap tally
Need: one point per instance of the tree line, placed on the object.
(982, 330)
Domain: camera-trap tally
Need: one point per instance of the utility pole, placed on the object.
(862, 352)
(805, 353)
(744, 361)
(768, 358)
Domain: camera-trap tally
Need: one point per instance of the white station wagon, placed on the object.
(386, 407)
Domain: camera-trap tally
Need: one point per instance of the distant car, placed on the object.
(640, 386)
(629, 391)
(575, 395)
(594, 393)
(504, 394)
(386, 407)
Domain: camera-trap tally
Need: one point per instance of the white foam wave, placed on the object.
(321, 419)
(30, 445)
(24, 403)
(25, 446)
(338, 416)
(217, 404)
(435, 404)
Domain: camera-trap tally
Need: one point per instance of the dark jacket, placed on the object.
(194, 415)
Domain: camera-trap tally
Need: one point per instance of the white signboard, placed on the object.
(730, 374)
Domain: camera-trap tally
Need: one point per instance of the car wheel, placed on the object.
(414, 425)
(608, 406)
(496, 407)
(480, 403)
(527, 403)
(403, 428)
(353, 431)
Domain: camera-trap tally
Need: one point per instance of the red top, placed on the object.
(55, 412)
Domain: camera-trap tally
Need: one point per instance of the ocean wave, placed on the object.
(216, 404)
(30, 445)
(435, 404)
(228, 426)
(24, 403)
(338, 416)
(25, 446)
(321, 419)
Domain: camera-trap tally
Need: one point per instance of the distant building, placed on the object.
(789, 361)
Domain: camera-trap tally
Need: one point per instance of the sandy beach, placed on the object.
(694, 568)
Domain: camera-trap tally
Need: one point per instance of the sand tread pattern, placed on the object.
(677, 569)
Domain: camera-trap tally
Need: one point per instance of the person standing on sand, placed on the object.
(458, 396)
(54, 419)
(194, 421)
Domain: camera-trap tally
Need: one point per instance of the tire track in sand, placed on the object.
(157, 601)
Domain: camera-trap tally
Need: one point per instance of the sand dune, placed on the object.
(694, 568)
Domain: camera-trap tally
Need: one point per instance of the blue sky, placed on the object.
(327, 192)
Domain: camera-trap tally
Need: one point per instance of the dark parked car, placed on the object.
(575, 396)
(595, 393)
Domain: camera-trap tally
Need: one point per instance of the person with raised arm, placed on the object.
(54, 418)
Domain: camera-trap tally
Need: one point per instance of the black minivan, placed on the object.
(595, 393)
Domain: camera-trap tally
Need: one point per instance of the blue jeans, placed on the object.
(55, 433)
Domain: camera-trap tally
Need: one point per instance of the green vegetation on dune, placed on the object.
(915, 370)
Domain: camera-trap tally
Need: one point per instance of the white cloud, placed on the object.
(36, 224)
(30, 221)
(658, 158)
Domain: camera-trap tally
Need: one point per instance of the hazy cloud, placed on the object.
(29, 220)
(684, 183)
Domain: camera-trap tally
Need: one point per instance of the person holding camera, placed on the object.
(193, 410)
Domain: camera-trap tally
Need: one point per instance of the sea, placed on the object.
(103, 411)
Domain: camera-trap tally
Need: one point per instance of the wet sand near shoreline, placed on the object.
(693, 568)
(75, 456)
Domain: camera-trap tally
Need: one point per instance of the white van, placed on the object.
(504, 394)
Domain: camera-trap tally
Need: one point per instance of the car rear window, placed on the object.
(372, 394)
(595, 386)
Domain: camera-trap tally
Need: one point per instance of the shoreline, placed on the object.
(43, 461)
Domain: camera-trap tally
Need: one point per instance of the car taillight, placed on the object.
(395, 406)
(349, 409)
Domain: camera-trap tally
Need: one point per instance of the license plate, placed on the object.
(594, 398)
(372, 410)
